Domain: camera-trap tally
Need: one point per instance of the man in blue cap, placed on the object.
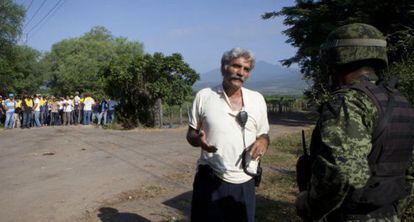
(9, 106)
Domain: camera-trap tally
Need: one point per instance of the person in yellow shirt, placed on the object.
(27, 107)
(81, 105)
(87, 109)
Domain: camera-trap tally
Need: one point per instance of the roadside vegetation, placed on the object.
(276, 195)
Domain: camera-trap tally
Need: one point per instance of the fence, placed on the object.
(282, 104)
(175, 116)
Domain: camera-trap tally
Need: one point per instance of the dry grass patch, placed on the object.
(277, 193)
(143, 193)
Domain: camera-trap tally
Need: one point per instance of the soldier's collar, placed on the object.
(370, 77)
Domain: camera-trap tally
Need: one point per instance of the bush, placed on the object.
(404, 70)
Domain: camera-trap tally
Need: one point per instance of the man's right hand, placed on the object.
(198, 138)
(204, 144)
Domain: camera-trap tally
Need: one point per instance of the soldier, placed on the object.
(361, 149)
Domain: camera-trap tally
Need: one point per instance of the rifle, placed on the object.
(303, 167)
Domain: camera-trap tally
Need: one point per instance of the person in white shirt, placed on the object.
(230, 125)
(36, 109)
(61, 105)
(77, 108)
(67, 109)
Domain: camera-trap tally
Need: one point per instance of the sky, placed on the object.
(201, 30)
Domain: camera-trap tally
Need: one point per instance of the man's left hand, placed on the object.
(259, 147)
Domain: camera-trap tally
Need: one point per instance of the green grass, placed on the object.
(277, 193)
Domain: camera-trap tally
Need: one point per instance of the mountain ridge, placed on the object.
(266, 78)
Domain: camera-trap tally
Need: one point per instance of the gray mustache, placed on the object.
(235, 76)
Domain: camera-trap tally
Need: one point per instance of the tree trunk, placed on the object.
(158, 113)
(171, 116)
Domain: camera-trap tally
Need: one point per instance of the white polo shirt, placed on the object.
(211, 111)
(68, 107)
(37, 101)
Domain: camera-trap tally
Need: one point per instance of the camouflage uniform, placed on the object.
(346, 126)
(342, 139)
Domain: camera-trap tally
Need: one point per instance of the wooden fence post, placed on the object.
(181, 115)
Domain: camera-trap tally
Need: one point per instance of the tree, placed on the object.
(27, 71)
(76, 64)
(11, 17)
(168, 79)
(144, 82)
(124, 83)
(311, 21)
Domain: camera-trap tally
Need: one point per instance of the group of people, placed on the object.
(360, 164)
(27, 111)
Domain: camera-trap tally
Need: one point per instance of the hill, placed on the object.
(266, 78)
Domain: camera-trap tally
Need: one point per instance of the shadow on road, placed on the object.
(181, 202)
(266, 209)
(108, 214)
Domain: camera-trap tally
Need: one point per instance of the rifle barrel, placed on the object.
(305, 151)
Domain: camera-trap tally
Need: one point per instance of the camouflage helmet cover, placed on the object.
(354, 42)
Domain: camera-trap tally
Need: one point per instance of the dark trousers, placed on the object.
(54, 119)
(42, 117)
(111, 116)
(27, 117)
(217, 200)
(76, 115)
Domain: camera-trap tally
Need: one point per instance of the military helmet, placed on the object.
(354, 42)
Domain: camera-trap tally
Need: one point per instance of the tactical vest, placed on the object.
(390, 156)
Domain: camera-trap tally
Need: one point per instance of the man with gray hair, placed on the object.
(229, 123)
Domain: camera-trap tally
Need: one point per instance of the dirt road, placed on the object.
(79, 173)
